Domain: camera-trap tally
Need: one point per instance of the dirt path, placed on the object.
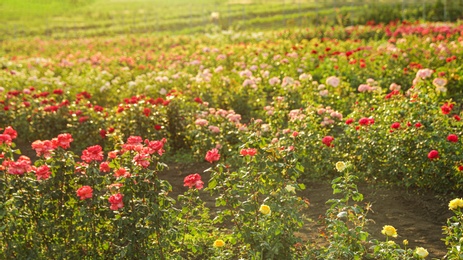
(417, 218)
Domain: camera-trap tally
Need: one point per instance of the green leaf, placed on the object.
(212, 184)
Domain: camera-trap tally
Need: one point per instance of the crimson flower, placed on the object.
(446, 108)
(364, 121)
(122, 172)
(141, 159)
(395, 125)
(64, 140)
(5, 139)
(248, 151)
(193, 180)
(21, 166)
(452, 138)
(103, 133)
(85, 192)
(116, 201)
(42, 172)
(349, 121)
(327, 141)
(104, 167)
(146, 111)
(433, 154)
(11, 132)
(43, 148)
(212, 155)
(92, 153)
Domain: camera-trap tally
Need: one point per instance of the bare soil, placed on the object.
(417, 217)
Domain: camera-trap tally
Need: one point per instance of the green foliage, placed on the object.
(453, 230)
(266, 180)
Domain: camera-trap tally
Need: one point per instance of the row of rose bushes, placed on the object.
(278, 112)
(409, 137)
(114, 205)
(215, 68)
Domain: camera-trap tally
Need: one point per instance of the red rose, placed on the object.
(457, 117)
(156, 146)
(446, 108)
(212, 155)
(249, 151)
(103, 133)
(4, 138)
(418, 125)
(452, 138)
(21, 166)
(58, 91)
(364, 121)
(395, 125)
(85, 192)
(349, 121)
(193, 180)
(116, 201)
(42, 172)
(198, 100)
(141, 159)
(327, 140)
(64, 140)
(11, 132)
(433, 154)
(83, 119)
(146, 111)
(92, 153)
(122, 172)
(104, 167)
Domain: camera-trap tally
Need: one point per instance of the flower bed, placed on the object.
(270, 112)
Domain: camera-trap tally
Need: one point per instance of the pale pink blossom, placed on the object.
(333, 81)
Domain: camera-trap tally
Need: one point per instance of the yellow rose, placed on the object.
(340, 166)
(421, 252)
(455, 204)
(389, 231)
(264, 209)
(290, 188)
(405, 242)
(219, 243)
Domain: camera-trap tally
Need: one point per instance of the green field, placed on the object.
(86, 18)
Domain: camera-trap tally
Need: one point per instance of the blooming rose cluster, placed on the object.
(19, 167)
(248, 152)
(46, 147)
(8, 135)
